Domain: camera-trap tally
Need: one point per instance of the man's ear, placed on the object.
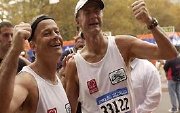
(77, 21)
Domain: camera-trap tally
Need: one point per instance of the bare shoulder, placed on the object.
(24, 89)
(124, 38)
(72, 84)
(124, 44)
(129, 40)
(26, 84)
(26, 80)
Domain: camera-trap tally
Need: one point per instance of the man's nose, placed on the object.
(58, 37)
(10, 37)
(93, 15)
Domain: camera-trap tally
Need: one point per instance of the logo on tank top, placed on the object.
(117, 76)
(53, 110)
(92, 86)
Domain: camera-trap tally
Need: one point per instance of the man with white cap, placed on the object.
(97, 75)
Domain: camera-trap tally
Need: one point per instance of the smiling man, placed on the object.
(98, 75)
(36, 89)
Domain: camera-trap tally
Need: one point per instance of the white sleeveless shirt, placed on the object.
(104, 86)
(52, 98)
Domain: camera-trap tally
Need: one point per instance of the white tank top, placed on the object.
(104, 86)
(52, 98)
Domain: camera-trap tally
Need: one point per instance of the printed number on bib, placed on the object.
(115, 102)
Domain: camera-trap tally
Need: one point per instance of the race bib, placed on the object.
(117, 101)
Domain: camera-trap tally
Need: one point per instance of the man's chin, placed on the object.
(96, 30)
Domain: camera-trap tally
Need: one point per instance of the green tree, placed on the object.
(118, 16)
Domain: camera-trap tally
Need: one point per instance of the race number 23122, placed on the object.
(115, 102)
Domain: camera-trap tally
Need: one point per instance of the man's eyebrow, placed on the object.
(47, 29)
(6, 33)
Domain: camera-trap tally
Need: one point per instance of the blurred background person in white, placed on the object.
(146, 85)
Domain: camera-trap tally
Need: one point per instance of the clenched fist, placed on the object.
(21, 33)
(141, 12)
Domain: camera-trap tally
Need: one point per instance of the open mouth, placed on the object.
(9, 44)
(94, 24)
(81, 46)
(56, 45)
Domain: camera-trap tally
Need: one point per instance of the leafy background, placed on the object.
(118, 17)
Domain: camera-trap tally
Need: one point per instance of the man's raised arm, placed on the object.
(8, 67)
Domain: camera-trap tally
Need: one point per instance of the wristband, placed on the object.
(153, 24)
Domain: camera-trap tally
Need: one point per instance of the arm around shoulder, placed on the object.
(72, 86)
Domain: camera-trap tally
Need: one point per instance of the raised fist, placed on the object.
(21, 33)
(141, 12)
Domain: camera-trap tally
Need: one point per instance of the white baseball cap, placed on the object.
(81, 3)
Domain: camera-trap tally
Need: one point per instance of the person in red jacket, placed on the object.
(172, 69)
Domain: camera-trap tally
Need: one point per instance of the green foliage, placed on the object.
(118, 16)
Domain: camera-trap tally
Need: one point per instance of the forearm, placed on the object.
(72, 96)
(8, 69)
(72, 91)
(165, 48)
